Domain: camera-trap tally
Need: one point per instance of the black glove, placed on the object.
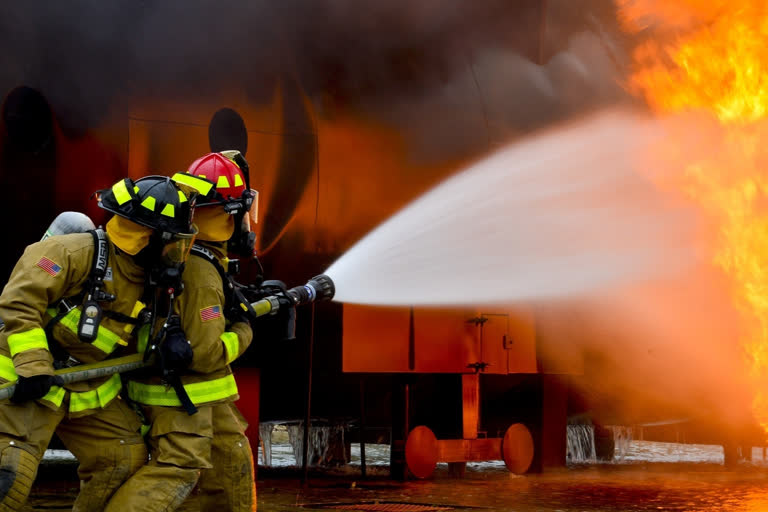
(236, 314)
(32, 388)
(175, 350)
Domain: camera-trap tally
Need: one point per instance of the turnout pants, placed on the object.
(107, 445)
(229, 486)
(180, 447)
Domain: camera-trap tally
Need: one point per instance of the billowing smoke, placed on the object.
(518, 67)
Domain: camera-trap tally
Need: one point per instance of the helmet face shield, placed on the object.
(253, 208)
(251, 217)
(175, 251)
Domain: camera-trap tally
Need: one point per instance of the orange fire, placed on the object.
(711, 56)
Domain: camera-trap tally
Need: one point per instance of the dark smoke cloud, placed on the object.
(91, 57)
(498, 89)
(500, 95)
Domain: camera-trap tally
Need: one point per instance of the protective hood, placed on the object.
(214, 224)
(127, 235)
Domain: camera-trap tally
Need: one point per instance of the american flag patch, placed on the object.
(49, 266)
(210, 313)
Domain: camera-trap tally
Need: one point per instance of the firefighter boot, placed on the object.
(18, 469)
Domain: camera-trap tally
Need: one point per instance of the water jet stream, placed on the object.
(559, 214)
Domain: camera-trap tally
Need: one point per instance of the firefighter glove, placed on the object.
(237, 315)
(32, 388)
(175, 351)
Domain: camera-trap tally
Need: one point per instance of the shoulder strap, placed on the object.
(94, 287)
(100, 254)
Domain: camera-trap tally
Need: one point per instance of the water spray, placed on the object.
(570, 212)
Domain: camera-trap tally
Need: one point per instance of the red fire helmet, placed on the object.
(223, 171)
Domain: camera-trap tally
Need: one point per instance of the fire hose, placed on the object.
(88, 371)
(317, 289)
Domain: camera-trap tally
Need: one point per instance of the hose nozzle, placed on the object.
(318, 288)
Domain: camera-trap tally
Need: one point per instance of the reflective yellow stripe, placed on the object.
(28, 340)
(99, 397)
(168, 211)
(71, 319)
(232, 344)
(201, 185)
(238, 180)
(222, 182)
(182, 197)
(137, 308)
(120, 190)
(105, 341)
(142, 338)
(149, 203)
(199, 392)
(55, 395)
(7, 371)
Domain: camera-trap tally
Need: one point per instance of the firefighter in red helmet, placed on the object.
(228, 170)
(220, 467)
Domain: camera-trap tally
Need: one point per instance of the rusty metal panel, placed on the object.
(399, 339)
(375, 339)
(520, 344)
(432, 340)
(445, 340)
(494, 333)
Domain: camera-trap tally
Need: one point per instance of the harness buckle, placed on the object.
(65, 306)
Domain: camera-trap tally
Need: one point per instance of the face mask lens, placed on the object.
(176, 251)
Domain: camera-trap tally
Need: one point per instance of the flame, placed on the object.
(719, 66)
(711, 56)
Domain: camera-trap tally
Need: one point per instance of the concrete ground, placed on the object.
(604, 487)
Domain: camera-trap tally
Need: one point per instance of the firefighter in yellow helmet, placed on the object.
(207, 449)
(74, 299)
